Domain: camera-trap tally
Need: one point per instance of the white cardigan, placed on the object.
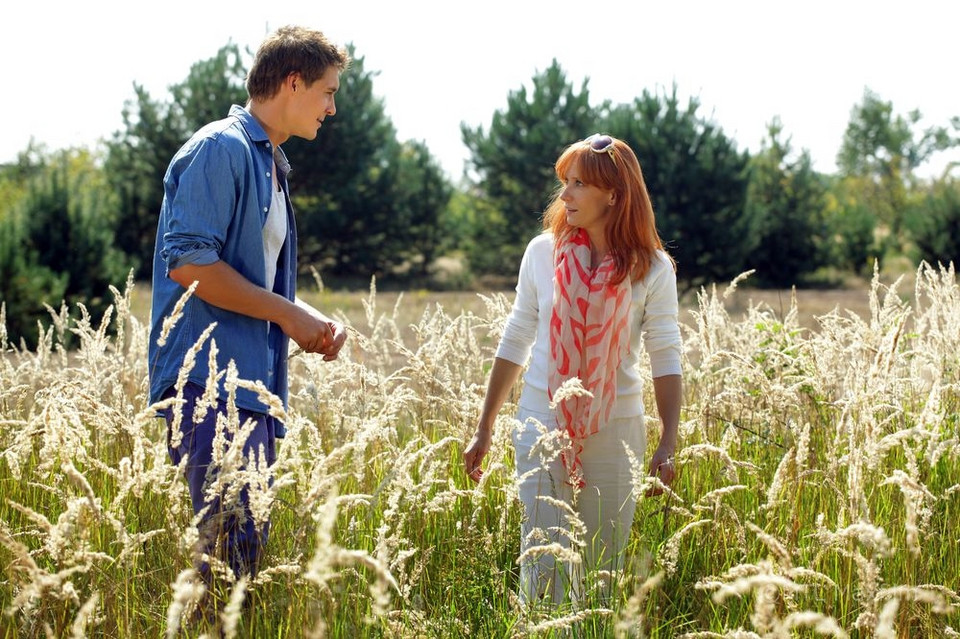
(653, 318)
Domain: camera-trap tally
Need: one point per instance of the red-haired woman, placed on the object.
(591, 288)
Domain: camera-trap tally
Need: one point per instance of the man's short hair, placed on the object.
(292, 49)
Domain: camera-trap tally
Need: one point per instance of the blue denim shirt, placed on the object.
(217, 192)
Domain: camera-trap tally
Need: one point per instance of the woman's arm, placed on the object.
(502, 378)
(668, 391)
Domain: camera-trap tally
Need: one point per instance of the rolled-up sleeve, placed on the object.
(660, 325)
(202, 198)
(520, 330)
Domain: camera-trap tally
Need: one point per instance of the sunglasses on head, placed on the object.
(602, 143)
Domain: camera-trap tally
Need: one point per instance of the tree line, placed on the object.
(74, 222)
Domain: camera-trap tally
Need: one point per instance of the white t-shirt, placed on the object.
(653, 321)
(274, 234)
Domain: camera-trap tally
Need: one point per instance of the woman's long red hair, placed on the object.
(631, 230)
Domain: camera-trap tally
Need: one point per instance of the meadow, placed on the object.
(818, 491)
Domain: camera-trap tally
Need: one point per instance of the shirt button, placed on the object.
(265, 209)
(268, 173)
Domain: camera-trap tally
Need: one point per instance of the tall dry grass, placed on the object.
(817, 494)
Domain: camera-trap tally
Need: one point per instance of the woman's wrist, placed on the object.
(484, 426)
(668, 446)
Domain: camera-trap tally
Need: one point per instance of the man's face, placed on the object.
(310, 105)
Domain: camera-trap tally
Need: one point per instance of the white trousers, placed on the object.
(557, 523)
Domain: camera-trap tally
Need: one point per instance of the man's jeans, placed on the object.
(230, 535)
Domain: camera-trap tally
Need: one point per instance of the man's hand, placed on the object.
(339, 336)
(314, 332)
(221, 285)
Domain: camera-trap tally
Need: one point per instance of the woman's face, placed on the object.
(587, 207)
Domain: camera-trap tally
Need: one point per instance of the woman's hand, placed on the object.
(662, 466)
(475, 451)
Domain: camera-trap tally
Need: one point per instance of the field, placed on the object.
(818, 490)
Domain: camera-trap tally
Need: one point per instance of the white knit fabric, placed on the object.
(653, 315)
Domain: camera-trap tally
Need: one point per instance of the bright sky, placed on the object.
(68, 67)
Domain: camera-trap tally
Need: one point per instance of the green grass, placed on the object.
(819, 481)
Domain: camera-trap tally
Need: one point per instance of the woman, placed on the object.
(591, 287)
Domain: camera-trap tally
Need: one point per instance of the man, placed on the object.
(227, 224)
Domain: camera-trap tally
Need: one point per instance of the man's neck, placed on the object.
(264, 113)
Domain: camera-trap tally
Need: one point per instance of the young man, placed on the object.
(227, 223)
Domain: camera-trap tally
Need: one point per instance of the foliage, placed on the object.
(883, 150)
(514, 163)
(422, 196)
(138, 156)
(27, 286)
(366, 204)
(879, 143)
(370, 205)
(481, 235)
(855, 240)
(58, 244)
(697, 180)
(934, 222)
(785, 197)
(14, 177)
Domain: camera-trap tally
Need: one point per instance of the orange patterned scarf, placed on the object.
(589, 335)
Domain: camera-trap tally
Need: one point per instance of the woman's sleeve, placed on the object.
(660, 324)
(520, 330)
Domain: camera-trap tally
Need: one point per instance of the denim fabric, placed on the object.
(231, 535)
(217, 192)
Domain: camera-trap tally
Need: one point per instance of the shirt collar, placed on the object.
(254, 129)
(250, 123)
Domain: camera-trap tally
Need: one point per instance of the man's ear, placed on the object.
(294, 81)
